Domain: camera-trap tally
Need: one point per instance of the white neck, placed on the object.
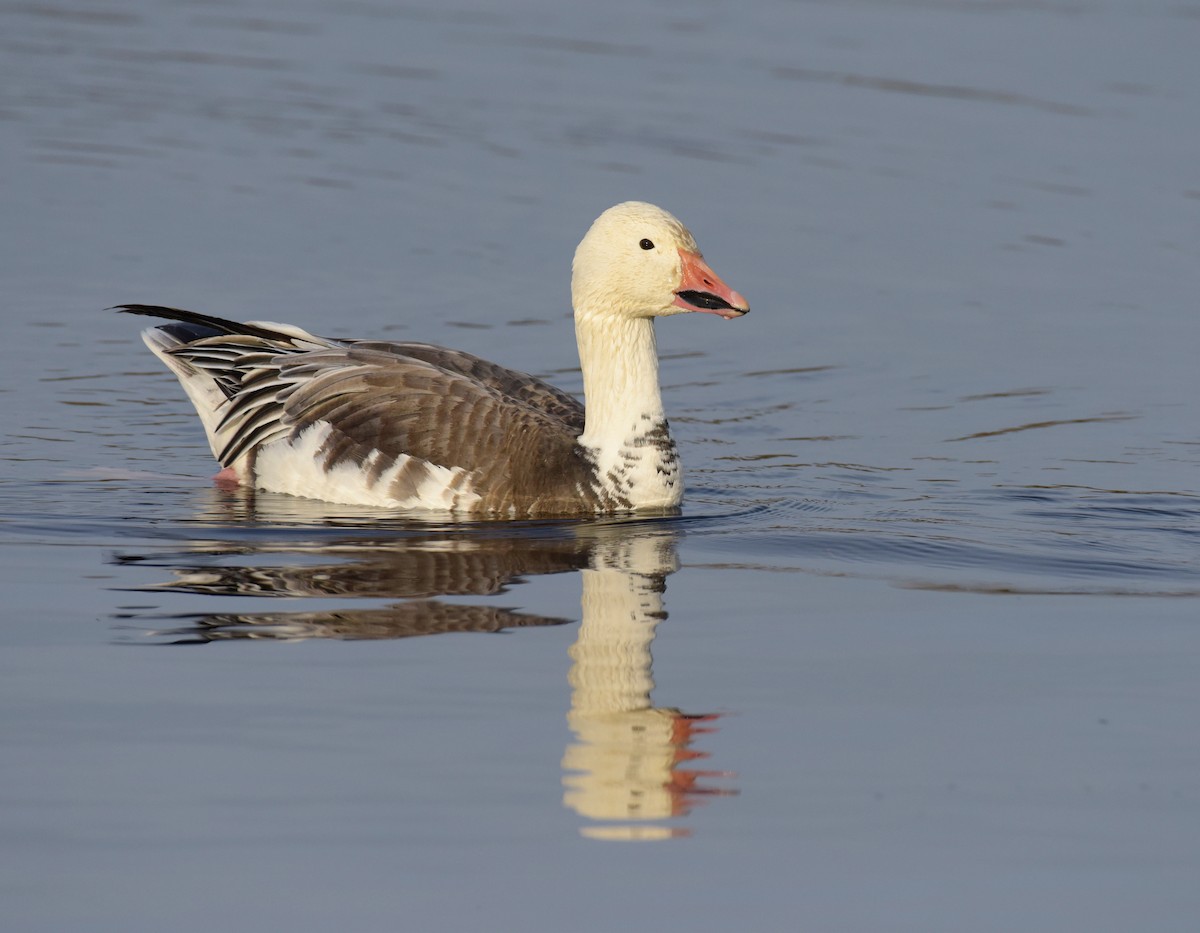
(619, 357)
(625, 428)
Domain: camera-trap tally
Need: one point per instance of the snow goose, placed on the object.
(415, 426)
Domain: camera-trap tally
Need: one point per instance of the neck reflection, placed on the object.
(626, 769)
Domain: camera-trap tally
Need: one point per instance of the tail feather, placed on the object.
(207, 394)
(210, 356)
(221, 364)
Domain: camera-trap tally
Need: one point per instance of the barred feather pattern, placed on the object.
(397, 425)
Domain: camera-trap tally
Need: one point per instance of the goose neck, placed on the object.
(619, 359)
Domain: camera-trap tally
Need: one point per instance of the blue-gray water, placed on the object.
(925, 639)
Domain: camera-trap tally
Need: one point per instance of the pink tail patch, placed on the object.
(227, 479)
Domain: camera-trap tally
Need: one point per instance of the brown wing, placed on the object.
(509, 383)
(519, 455)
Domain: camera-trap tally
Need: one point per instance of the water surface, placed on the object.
(919, 653)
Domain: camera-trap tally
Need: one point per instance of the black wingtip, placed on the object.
(169, 314)
(219, 324)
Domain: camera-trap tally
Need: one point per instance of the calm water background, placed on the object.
(925, 641)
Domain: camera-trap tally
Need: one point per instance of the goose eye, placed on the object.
(646, 244)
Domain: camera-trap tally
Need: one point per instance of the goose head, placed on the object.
(638, 261)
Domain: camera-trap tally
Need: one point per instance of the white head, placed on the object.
(638, 261)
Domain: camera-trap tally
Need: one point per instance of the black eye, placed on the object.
(647, 244)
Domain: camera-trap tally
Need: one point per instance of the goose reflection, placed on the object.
(413, 567)
(629, 767)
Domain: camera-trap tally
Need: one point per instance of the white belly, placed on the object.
(298, 467)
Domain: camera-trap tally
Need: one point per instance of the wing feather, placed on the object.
(509, 383)
(407, 406)
(393, 409)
